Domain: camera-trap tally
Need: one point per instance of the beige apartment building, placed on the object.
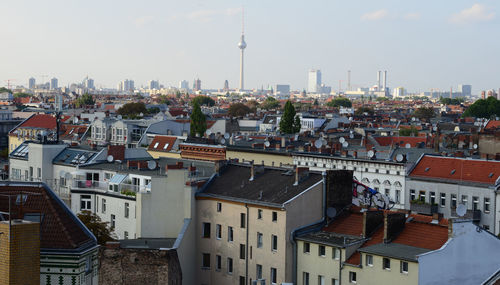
(245, 217)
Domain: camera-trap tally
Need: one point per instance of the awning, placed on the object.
(118, 178)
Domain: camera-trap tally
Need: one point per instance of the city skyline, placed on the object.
(379, 36)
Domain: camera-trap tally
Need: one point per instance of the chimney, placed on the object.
(394, 223)
(283, 141)
(300, 174)
(252, 171)
(338, 189)
(450, 228)
(219, 166)
(371, 221)
(355, 154)
(343, 153)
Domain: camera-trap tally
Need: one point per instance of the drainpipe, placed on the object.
(246, 247)
(340, 267)
(304, 229)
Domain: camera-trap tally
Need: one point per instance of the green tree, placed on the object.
(289, 123)
(406, 132)
(338, 102)
(21, 95)
(253, 106)
(238, 110)
(132, 109)
(153, 110)
(85, 100)
(450, 101)
(483, 108)
(203, 101)
(362, 110)
(100, 229)
(3, 89)
(270, 103)
(198, 124)
(424, 113)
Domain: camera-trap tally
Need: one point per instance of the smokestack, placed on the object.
(349, 81)
(385, 81)
(378, 79)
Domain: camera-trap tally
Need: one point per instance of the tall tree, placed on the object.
(100, 229)
(198, 121)
(425, 113)
(289, 123)
(203, 100)
(238, 110)
(483, 108)
(84, 100)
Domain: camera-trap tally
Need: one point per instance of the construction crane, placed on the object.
(8, 82)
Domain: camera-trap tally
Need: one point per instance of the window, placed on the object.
(125, 235)
(242, 280)
(259, 271)
(113, 221)
(62, 181)
(305, 278)
(404, 267)
(421, 195)
(387, 192)
(464, 200)
(321, 280)
(229, 265)
(218, 231)
(242, 251)
(432, 198)
(273, 275)
(486, 227)
(103, 205)
(386, 264)
(336, 253)
(259, 214)
(205, 263)
(218, 262)
(39, 171)
(369, 260)
(229, 234)
(206, 230)
(274, 242)
(307, 247)
(259, 240)
(335, 281)
(275, 216)
(443, 200)
(453, 201)
(352, 277)
(398, 196)
(412, 194)
(85, 202)
(321, 250)
(127, 210)
(475, 203)
(219, 207)
(242, 220)
(486, 205)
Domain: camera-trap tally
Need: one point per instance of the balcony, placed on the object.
(423, 208)
(90, 184)
(126, 189)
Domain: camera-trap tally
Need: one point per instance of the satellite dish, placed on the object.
(407, 145)
(318, 143)
(370, 153)
(461, 210)
(296, 137)
(331, 212)
(226, 136)
(399, 158)
(475, 146)
(435, 128)
(110, 158)
(151, 164)
(75, 120)
(119, 117)
(141, 114)
(350, 118)
(267, 144)
(341, 140)
(208, 132)
(351, 135)
(345, 144)
(223, 141)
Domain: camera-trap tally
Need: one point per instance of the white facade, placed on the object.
(314, 81)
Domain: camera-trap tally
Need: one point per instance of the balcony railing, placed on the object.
(122, 188)
(90, 184)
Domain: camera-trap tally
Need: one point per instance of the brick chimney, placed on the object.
(355, 154)
(301, 173)
(371, 221)
(394, 223)
(283, 141)
(450, 228)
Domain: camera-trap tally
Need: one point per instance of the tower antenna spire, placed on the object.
(242, 45)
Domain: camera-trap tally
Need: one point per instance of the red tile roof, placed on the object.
(457, 169)
(162, 141)
(402, 141)
(492, 125)
(348, 224)
(41, 121)
(60, 229)
(423, 235)
(117, 151)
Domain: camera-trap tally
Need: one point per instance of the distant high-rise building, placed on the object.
(282, 89)
(184, 85)
(88, 83)
(314, 82)
(31, 83)
(399, 92)
(226, 85)
(197, 85)
(154, 84)
(53, 83)
(465, 89)
(126, 85)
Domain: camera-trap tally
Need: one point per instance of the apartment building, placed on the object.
(245, 217)
(30, 128)
(438, 184)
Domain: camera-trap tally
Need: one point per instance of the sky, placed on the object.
(422, 44)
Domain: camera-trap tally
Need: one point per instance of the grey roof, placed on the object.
(395, 250)
(276, 185)
(330, 238)
(136, 153)
(162, 128)
(71, 156)
(147, 243)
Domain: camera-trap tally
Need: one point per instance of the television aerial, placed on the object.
(110, 158)
(461, 210)
(151, 164)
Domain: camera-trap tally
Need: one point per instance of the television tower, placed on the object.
(242, 45)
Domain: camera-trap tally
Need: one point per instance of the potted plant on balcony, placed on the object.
(422, 207)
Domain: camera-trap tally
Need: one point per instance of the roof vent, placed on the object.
(453, 171)
(427, 169)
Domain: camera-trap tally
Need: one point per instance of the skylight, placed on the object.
(427, 169)
(166, 145)
(490, 175)
(453, 171)
(156, 145)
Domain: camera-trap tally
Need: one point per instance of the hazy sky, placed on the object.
(422, 44)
